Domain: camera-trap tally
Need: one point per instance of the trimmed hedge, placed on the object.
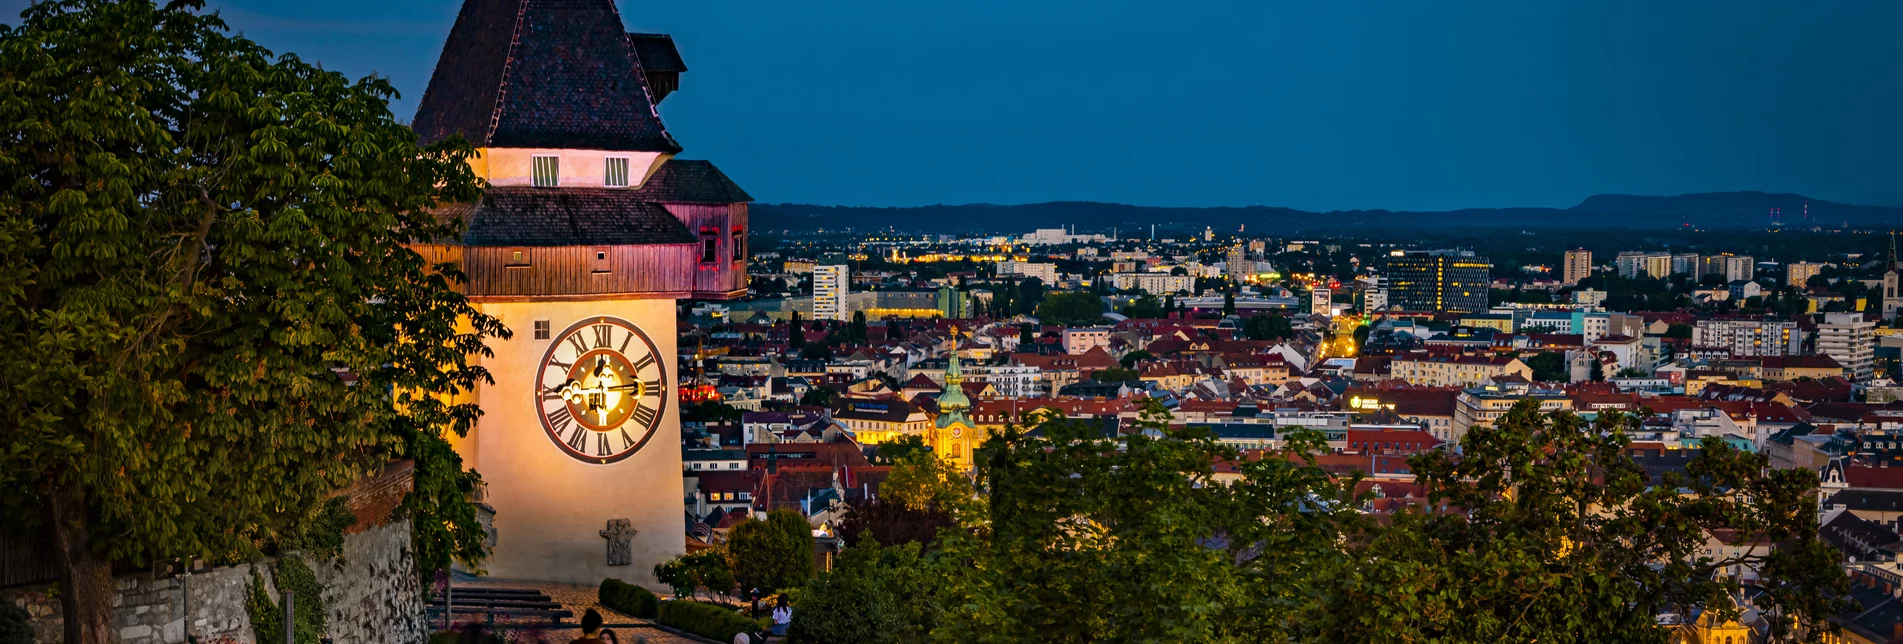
(629, 598)
(715, 622)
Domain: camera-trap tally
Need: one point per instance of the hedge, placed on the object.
(629, 598)
(715, 622)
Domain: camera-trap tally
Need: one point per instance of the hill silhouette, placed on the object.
(1734, 210)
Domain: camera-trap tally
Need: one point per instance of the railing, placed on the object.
(26, 561)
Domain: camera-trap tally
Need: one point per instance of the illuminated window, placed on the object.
(545, 171)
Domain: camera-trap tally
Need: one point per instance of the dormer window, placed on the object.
(617, 172)
(546, 171)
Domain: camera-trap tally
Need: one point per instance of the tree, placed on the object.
(816, 351)
(771, 555)
(1598, 372)
(1679, 331)
(1549, 366)
(1031, 294)
(819, 396)
(857, 330)
(1361, 335)
(922, 481)
(1144, 307)
(902, 448)
(1268, 326)
(1130, 360)
(1228, 303)
(689, 573)
(1071, 309)
(1027, 336)
(795, 331)
(711, 412)
(875, 595)
(199, 237)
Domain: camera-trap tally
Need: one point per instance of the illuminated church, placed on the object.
(953, 436)
(590, 233)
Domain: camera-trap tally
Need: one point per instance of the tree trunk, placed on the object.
(85, 575)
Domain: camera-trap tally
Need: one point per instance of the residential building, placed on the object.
(1851, 340)
(1459, 371)
(1480, 406)
(1799, 273)
(1153, 283)
(1080, 340)
(1684, 263)
(1238, 264)
(1589, 297)
(1046, 273)
(1577, 266)
(831, 285)
(1633, 265)
(1373, 299)
(1438, 280)
(1749, 337)
(1731, 267)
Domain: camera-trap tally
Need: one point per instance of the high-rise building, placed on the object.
(1731, 267)
(1850, 340)
(1238, 265)
(1748, 337)
(831, 284)
(1799, 273)
(1438, 280)
(1685, 263)
(1373, 299)
(1578, 266)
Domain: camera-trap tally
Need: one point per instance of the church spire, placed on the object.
(953, 403)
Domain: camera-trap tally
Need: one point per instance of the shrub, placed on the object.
(15, 626)
(711, 621)
(628, 598)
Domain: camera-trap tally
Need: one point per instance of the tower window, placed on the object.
(541, 329)
(709, 245)
(601, 259)
(617, 172)
(739, 244)
(546, 171)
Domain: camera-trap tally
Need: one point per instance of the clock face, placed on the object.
(602, 390)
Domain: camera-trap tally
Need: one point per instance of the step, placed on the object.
(500, 603)
(550, 615)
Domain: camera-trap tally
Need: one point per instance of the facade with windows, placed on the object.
(1438, 280)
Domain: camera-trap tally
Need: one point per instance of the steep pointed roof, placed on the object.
(541, 74)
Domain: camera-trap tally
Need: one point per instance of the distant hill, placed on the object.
(1706, 210)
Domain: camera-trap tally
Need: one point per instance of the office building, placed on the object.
(1238, 265)
(1577, 266)
(1747, 337)
(831, 284)
(1438, 280)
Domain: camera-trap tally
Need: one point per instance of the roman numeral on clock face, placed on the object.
(626, 440)
(559, 420)
(601, 445)
(578, 441)
(650, 388)
(603, 334)
(643, 415)
(645, 362)
(580, 345)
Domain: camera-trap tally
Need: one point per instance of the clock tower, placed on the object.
(590, 231)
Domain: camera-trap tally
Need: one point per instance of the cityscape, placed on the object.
(494, 358)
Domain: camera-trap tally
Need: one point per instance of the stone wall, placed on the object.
(371, 593)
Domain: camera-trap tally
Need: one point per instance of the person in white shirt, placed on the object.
(782, 616)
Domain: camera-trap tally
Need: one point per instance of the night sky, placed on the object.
(1310, 104)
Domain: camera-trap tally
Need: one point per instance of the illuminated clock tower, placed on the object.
(589, 234)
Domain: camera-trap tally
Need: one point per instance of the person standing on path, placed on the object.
(782, 617)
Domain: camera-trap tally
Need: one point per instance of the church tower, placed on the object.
(589, 234)
(1890, 302)
(953, 435)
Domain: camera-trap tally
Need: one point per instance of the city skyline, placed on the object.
(1419, 107)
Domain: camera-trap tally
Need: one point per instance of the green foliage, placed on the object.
(715, 622)
(628, 598)
(1144, 307)
(1228, 303)
(816, 351)
(1268, 326)
(1116, 375)
(267, 614)
(795, 331)
(196, 246)
(773, 554)
(689, 573)
(874, 595)
(711, 412)
(1130, 360)
(1071, 309)
(1361, 335)
(1549, 366)
(16, 626)
(819, 396)
(903, 448)
(921, 481)
(1679, 331)
(1087, 538)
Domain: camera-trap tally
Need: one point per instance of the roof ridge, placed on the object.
(508, 62)
(654, 106)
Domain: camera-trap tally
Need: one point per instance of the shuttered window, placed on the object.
(547, 171)
(617, 172)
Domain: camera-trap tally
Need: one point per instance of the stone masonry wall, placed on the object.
(371, 593)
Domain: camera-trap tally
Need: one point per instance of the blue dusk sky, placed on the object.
(1310, 104)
